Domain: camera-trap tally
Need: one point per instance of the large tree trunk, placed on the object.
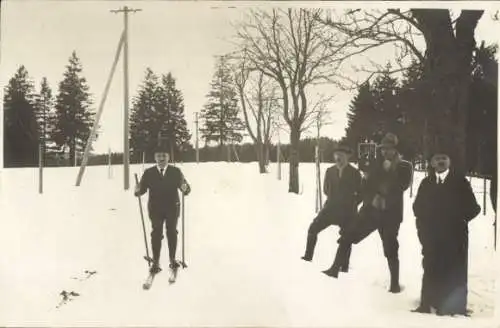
(293, 183)
(267, 146)
(447, 77)
(259, 149)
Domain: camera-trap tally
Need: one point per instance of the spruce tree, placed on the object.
(21, 130)
(174, 126)
(361, 116)
(45, 113)
(220, 114)
(74, 117)
(143, 120)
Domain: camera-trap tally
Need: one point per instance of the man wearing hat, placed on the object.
(342, 186)
(444, 205)
(383, 187)
(163, 182)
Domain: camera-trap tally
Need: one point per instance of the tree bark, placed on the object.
(447, 77)
(293, 185)
(259, 147)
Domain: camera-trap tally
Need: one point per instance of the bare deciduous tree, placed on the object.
(258, 99)
(445, 51)
(296, 50)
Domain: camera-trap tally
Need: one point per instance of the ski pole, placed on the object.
(184, 265)
(147, 257)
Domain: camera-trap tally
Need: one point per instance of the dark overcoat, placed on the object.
(443, 212)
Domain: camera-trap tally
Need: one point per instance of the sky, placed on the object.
(181, 37)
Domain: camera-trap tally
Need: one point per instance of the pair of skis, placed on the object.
(151, 277)
(173, 271)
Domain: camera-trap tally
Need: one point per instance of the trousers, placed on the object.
(159, 222)
(369, 220)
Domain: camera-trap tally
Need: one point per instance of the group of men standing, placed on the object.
(444, 205)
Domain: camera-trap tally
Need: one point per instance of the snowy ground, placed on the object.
(245, 234)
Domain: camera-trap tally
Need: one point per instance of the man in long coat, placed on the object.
(444, 205)
(382, 210)
(342, 186)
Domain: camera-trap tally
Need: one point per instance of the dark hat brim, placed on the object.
(161, 150)
(341, 149)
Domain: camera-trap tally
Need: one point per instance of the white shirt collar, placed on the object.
(164, 169)
(442, 175)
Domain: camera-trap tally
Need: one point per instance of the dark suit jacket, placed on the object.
(163, 191)
(390, 185)
(343, 194)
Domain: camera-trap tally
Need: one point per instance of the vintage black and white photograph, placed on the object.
(248, 163)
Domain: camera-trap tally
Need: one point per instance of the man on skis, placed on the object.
(342, 186)
(163, 182)
(382, 210)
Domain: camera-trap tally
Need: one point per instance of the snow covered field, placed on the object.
(245, 234)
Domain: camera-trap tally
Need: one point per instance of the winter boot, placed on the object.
(394, 270)
(340, 260)
(156, 247)
(345, 265)
(155, 268)
(311, 244)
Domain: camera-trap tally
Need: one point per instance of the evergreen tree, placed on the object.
(45, 112)
(482, 129)
(143, 121)
(386, 105)
(158, 116)
(74, 118)
(361, 116)
(171, 115)
(20, 125)
(413, 112)
(220, 114)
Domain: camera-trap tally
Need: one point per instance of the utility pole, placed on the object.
(99, 113)
(109, 163)
(197, 147)
(126, 148)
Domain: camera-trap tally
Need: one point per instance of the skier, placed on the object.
(383, 187)
(444, 205)
(163, 181)
(342, 186)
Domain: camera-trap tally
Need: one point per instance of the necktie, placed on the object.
(440, 181)
(161, 171)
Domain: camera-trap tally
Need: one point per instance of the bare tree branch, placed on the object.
(365, 30)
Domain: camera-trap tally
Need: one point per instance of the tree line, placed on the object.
(60, 125)
(242, 153)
